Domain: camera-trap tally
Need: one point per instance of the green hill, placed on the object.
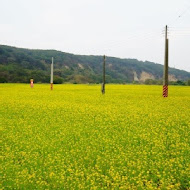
(19, 65)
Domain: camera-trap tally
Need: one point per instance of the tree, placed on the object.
(179, 82)
(188, 82)
(150, 81)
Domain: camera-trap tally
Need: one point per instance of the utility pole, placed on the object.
(165, 76)
(104, 75)
(51, 80)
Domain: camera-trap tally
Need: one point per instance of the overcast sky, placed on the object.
(118, 28)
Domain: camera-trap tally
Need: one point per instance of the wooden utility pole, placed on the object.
(165, 76)
(104, 75)
(51, 80)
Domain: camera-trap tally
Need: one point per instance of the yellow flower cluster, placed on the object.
(73, 137)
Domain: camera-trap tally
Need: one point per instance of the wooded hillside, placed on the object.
(19, 65)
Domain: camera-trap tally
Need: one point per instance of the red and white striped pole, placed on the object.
(51, 80)
(31, 83)
(165, 76)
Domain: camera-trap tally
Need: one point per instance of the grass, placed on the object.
(75, 138)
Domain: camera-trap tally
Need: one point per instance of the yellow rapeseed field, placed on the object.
(76, 138)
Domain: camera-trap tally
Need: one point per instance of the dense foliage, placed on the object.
(20, 65)
(76, 138)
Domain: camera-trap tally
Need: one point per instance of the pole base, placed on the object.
(103, 88)
(51, 86)
(165, 91)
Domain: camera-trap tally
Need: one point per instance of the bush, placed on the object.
(3, 80)
(57, 80)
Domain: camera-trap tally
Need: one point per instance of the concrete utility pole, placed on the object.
(165, 76)
(104, 75)
(51, 80)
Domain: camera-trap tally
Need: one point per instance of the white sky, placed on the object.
(118, 28)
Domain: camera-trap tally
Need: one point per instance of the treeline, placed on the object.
(160, 82)
(19, 65)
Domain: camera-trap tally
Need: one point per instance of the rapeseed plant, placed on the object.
(76, 138)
